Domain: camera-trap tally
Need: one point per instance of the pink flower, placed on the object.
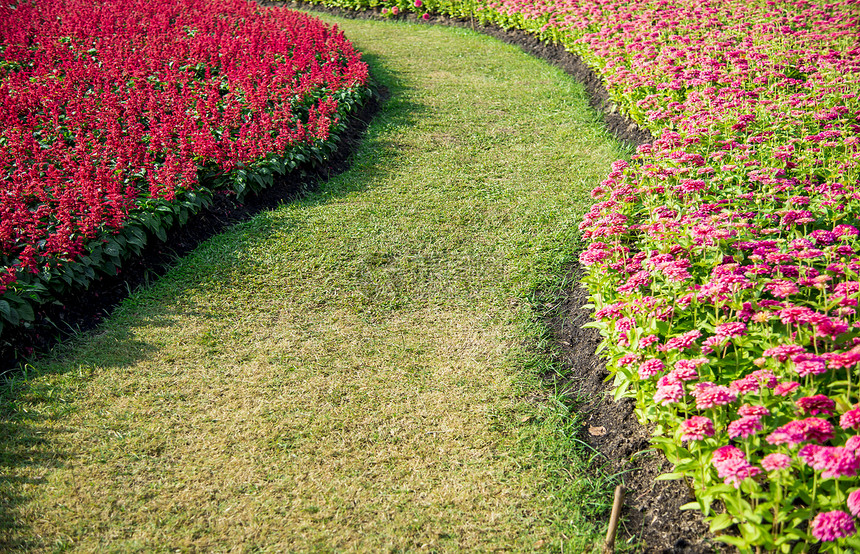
(682, 342)
(628, 358)
(845, 231)
(645, 342)
(786, 388)
(744, 427)
(818, 404)
(853, 444)
(745, 385)
(809, 364)
(831, 461)
(765, 378)
(854, 503)
(830, 526)
(725, 453)
(669, 393)
(775, 461)
(686, 369)
(800, 430)
(851, 418)
(748, 410)
(732, 329)
(731, 465)
(807, 453)
(783, 352)
(696, 428)
(650, 368)
(426, 17)
(709, 343)
(781, 288)
(418, 3)
(709, 395)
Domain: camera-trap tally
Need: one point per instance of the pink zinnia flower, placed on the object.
(731, 465)
(786, 388)
(650, 368)
(686, 369)
(854, 503)
(781, 288)
(696, 428)
(682, 342)
(669, 393)
(628, 358)
(745, 385)
(818, 404)
(843, 230)
(748, 410)
(775, 461)
(709, 395)
(851, 418)
(681, 375)
(809, 364)
(853, 444)
(744, 427)
(727, 452)
(798, 431)
(645, 342)
(830, 526)
(765, 378)
(783, 352)
(732, 329)
(835, 462)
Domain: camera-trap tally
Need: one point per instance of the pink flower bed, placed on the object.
(112, 109)
(732, 241)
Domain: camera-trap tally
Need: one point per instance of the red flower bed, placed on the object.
(125, 114)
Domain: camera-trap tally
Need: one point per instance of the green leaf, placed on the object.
(25, 311)
(672, 476)
(721, 522)
(734, 541)
(690, 506)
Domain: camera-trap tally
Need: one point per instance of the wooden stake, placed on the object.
(609, 545)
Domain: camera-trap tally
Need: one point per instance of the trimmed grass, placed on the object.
(355, 371)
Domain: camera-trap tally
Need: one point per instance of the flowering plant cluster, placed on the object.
(118, 119)
(724, 258)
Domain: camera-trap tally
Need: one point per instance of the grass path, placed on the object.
(356, 371)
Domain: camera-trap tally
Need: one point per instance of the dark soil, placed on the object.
(651, 513)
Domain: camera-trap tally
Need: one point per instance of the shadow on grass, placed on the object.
(31, 412)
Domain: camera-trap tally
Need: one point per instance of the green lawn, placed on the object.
(356, 371)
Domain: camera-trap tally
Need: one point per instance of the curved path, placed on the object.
(353, 372)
